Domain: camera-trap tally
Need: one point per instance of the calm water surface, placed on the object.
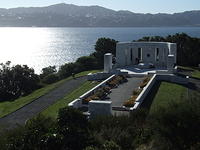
(41, 47)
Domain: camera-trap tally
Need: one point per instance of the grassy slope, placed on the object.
(52, 111)
(167, 93)
(11, 106)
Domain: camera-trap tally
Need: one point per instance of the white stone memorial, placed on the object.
(156, 53)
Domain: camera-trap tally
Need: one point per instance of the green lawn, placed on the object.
(11, 106)
(52, 111)
(168, 93)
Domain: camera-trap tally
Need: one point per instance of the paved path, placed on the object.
(20, 116)
(124, 91)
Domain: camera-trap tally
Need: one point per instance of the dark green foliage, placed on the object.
(175, 128)
(66, 70)
(73, 125)
(16, 81)
(103, 46)
(51, 78)
(188, 48)
(178, 127)
(88, 62)
(47, 71)
(29, 137)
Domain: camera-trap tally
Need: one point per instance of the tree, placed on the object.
(73, 125)
(47, 71)
(88, 62)
(103, 46)
(66, 70)
(16, 81)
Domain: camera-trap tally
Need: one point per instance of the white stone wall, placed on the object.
(123, 53)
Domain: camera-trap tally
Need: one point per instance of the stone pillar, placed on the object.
(170, 63)
(107, 63)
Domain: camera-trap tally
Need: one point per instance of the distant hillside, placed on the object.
(67, 15)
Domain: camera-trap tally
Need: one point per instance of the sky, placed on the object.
(137, 6)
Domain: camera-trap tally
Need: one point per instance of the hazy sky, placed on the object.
(140, 6)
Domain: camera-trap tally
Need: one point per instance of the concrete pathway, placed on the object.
(124, 91)
(20, 116)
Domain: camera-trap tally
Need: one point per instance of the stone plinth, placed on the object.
(100, 108)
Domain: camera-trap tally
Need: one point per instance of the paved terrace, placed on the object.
(137, 71)
(124, 91)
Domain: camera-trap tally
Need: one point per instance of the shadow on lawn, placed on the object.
(151, 95)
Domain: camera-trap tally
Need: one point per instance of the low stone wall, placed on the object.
(172, 78)
(93, 90)
(77, 103)
(143, 94)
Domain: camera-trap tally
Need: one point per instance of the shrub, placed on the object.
(137, 92)
(73, 125)
(130, 102)
(144, 82)
(179, 127)
(88, 62)
(51, 78)
(47, 71)
(110, 145)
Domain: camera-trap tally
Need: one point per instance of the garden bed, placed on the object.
(136, 92)
(102, 92)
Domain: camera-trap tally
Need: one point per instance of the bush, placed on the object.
(66, 70)
(47, 71)
(144, 82)
(110, 145)
(51, 78)
(73, 125)
(16, 81)
(88, 62)
(130, 102)
(137, 92)
(177, 125)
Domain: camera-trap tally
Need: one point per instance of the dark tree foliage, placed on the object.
(88, 62)
(16, 81)
(177, 129)
(106, 45)
(47, 71)
(66, 70)
(102, 46)
(51, 78)
(188, 48)
(73, 125)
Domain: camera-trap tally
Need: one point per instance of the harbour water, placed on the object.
(42, 47)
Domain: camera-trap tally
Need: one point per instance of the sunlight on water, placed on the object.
(41, 47)
(22, 45)
(37, 47)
